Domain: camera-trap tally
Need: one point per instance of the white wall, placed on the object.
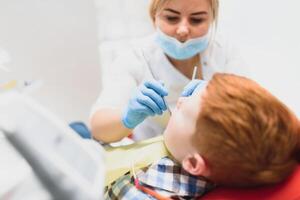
(268, 35)
(54, 41)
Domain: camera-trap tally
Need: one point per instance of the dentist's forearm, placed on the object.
(106, 125)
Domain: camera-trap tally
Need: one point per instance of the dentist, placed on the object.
(155, 71)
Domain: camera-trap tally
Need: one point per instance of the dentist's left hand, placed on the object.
(148, 101)
(193, 86)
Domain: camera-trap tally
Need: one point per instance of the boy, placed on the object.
(229, 132)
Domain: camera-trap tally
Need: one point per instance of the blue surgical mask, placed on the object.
(178, 50)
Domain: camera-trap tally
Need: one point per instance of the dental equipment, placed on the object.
(65, 165)
(194, 72)
(150, 69)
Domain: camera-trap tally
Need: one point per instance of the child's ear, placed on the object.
(195, 165)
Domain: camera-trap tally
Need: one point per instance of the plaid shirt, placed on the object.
(166, 177)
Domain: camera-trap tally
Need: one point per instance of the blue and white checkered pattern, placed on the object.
(168, 176)
(125, 189)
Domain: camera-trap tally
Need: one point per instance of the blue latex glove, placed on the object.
(148, 101)
(193, 86)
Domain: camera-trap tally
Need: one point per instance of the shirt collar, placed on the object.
(169, 177)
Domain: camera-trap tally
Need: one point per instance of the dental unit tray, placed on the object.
(61, 160)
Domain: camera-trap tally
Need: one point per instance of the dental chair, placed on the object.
(287, 190)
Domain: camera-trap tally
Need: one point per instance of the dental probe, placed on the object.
(194, 73)
(150, 69)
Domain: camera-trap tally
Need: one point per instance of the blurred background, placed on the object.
(62, 44)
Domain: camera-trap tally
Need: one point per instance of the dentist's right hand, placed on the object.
(147, 101)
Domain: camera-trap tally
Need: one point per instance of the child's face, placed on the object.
(182, 125)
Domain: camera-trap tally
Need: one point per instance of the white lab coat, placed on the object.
(129, 70)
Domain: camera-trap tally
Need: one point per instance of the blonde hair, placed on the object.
(156, 6)
(247, 136)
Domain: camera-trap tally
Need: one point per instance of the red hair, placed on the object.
(247, 136)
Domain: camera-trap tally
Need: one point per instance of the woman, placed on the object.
(150, 76)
